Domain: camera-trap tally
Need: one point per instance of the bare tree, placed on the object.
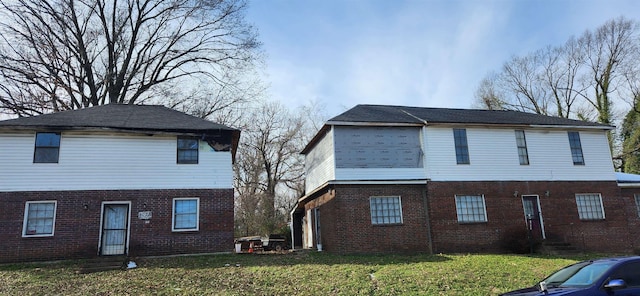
(487, 95)
(560, 69)
(70, 54)
(521, 76)
(607, 50)
(270, 169)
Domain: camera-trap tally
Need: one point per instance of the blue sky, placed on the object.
(416, 53)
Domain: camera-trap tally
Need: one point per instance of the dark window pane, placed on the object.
(46, 155)
(47, 148)
(187, 150)
(187, 144)
(576, 148)
(462, 149)
(47, 140)
(521, 143)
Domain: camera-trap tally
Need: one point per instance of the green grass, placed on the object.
(300, 273)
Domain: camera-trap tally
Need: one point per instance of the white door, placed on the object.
(115, 224)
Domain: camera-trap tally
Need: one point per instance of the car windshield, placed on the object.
(578, 275)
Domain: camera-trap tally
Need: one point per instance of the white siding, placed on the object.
(494, 157)
(320, 163)
(102, 162)
(380, 174)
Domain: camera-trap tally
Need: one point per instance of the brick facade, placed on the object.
(633, 212)
(346, 221)
(77, 230)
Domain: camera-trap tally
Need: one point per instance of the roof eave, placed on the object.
(372, 123)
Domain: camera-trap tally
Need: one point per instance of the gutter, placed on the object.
(361, 182)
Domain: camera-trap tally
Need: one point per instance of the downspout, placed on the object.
(293, 242)
(425, 204)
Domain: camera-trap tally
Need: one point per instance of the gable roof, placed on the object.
(421, 115)
(362, 115)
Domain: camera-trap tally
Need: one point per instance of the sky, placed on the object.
(428, 53)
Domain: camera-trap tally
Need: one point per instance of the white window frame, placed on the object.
(637, 198)
(376, 221)
(26, 218)
(582, 214)
(173, 214)
(468, 218)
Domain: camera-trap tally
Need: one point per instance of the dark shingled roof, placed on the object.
(119, 117)
(420, 115)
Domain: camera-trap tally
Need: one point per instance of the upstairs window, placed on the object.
(47, 148)
(39, 218)
(521, 143)
(576, 148)
(590, 206)
(462, 149)
(471, 208)
(187, 150)
(385, 210)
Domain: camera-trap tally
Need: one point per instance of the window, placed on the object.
(576, 148)
(637, 197)
(39, 218)
(462, 149)
(521, 143)
(47, 148)
(471, 208)
(385, 210)
(629, 272)
(188, 150)
(590, 206)
(185, 214)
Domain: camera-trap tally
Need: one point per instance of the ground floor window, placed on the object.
(185, 214)
(590, 206)
(39, 218)
(471, 208)
(385, 210)
(637, 197)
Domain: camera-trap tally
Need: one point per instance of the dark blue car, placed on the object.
(609, 276)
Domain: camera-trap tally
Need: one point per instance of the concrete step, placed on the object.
(100, 264)
(559, 248)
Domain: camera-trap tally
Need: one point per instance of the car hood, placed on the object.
(533, 291)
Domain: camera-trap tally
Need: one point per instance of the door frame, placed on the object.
(537, 205)
(101, 226)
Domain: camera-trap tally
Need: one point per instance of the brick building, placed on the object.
(115, 180)
(387, 179)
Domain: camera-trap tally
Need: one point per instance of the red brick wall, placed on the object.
(634, 217)
(77, 230)
(346, 220)
(505, 211)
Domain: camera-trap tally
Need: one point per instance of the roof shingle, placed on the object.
(420, 115)
(121, 117)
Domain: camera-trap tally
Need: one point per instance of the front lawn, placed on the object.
(299, 273)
